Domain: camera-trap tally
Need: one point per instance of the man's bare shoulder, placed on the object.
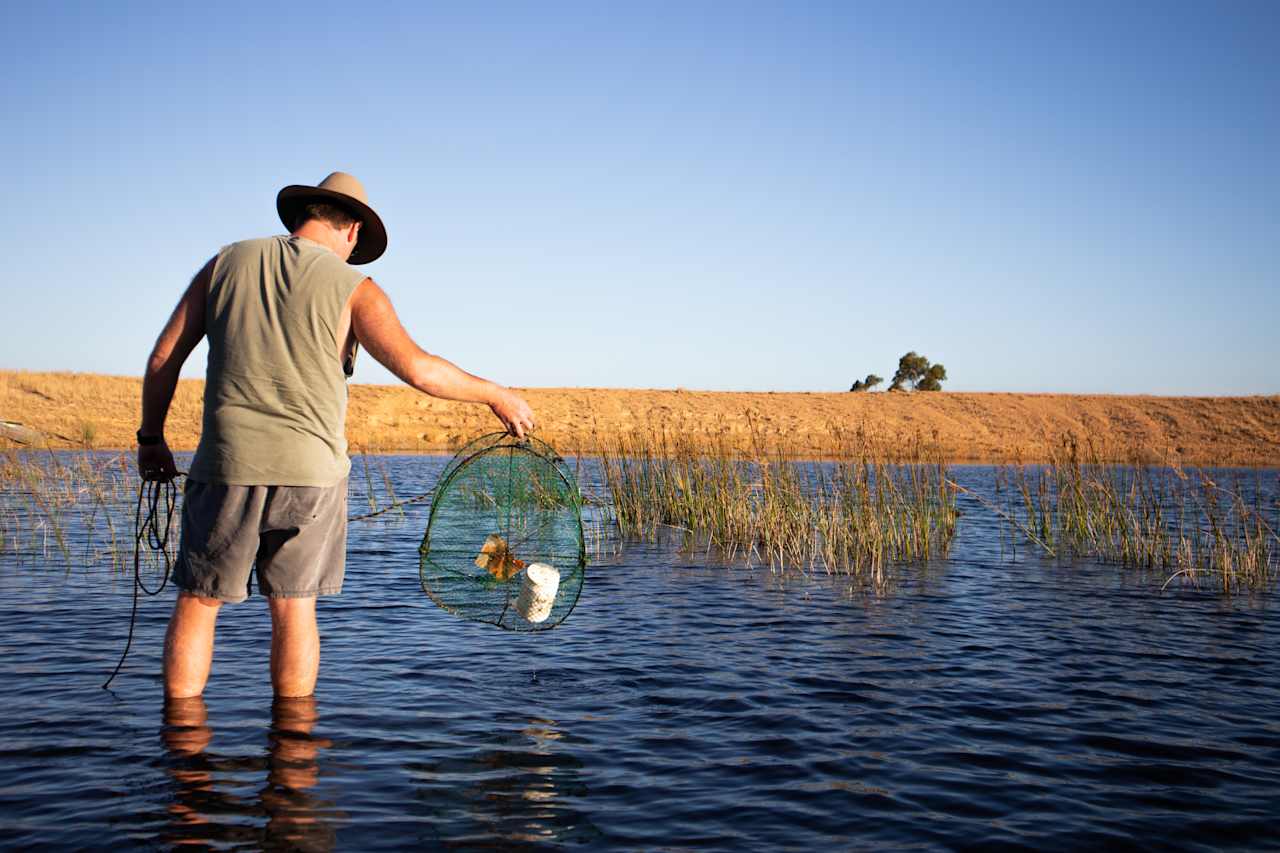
(369, 299)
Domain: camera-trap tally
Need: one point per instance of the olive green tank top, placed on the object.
(275, 394)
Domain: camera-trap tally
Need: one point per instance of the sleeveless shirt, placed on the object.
(275, 394)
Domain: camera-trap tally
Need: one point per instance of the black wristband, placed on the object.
(149, 440)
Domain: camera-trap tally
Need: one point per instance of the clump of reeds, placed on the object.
(76, 506)
(866, 506)
(1159, 517)
(393, 504)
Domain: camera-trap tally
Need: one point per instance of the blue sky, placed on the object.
(1073, 197)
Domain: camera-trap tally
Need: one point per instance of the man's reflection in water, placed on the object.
(295, 818)
(186, 735)
(200, 813)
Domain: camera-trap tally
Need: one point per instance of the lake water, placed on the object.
(985, 702)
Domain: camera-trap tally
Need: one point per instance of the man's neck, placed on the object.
(318, 232)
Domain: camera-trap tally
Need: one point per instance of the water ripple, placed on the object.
(985, 704)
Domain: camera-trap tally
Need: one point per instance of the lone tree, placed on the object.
(866, 384)
(914, 370)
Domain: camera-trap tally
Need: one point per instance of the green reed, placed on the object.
(48, 498)
(1163, 517)
(864, 508)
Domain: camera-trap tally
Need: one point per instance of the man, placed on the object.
(267, 487)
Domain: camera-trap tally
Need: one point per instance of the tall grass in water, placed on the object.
(74, 506)
(865, 507)
(1151, 517)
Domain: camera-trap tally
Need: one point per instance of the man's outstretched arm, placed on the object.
(379, 331)
(178, 338)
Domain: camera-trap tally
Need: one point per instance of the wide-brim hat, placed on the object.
(344, 191)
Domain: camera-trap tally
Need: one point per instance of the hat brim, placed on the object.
(373, 234)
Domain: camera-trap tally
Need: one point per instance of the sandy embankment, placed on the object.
(77, 407)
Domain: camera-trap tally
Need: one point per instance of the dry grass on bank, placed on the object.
(77, 409)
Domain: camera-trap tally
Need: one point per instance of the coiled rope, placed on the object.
(160, 497)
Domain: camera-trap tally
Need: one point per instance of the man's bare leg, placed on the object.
(295, 646)
(188, 645)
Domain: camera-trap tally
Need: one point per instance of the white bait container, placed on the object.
(538, 592)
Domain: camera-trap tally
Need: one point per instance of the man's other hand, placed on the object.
(155, 462)
(514, 412)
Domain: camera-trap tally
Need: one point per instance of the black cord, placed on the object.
(160, 498)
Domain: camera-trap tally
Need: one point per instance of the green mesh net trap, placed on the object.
(504, 543)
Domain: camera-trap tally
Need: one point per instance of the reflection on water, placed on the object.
(186, 735)
(503, 779)
(507, 782)
(295, 817)
(203, 781)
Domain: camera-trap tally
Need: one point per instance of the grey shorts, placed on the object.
(295, 536)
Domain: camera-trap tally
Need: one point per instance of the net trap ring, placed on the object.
(504, 541)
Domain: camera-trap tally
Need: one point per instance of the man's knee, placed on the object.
(192, 601)
(192, 612)
(293, 610)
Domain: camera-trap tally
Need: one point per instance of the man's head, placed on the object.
(336, 213)
(329, 224)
